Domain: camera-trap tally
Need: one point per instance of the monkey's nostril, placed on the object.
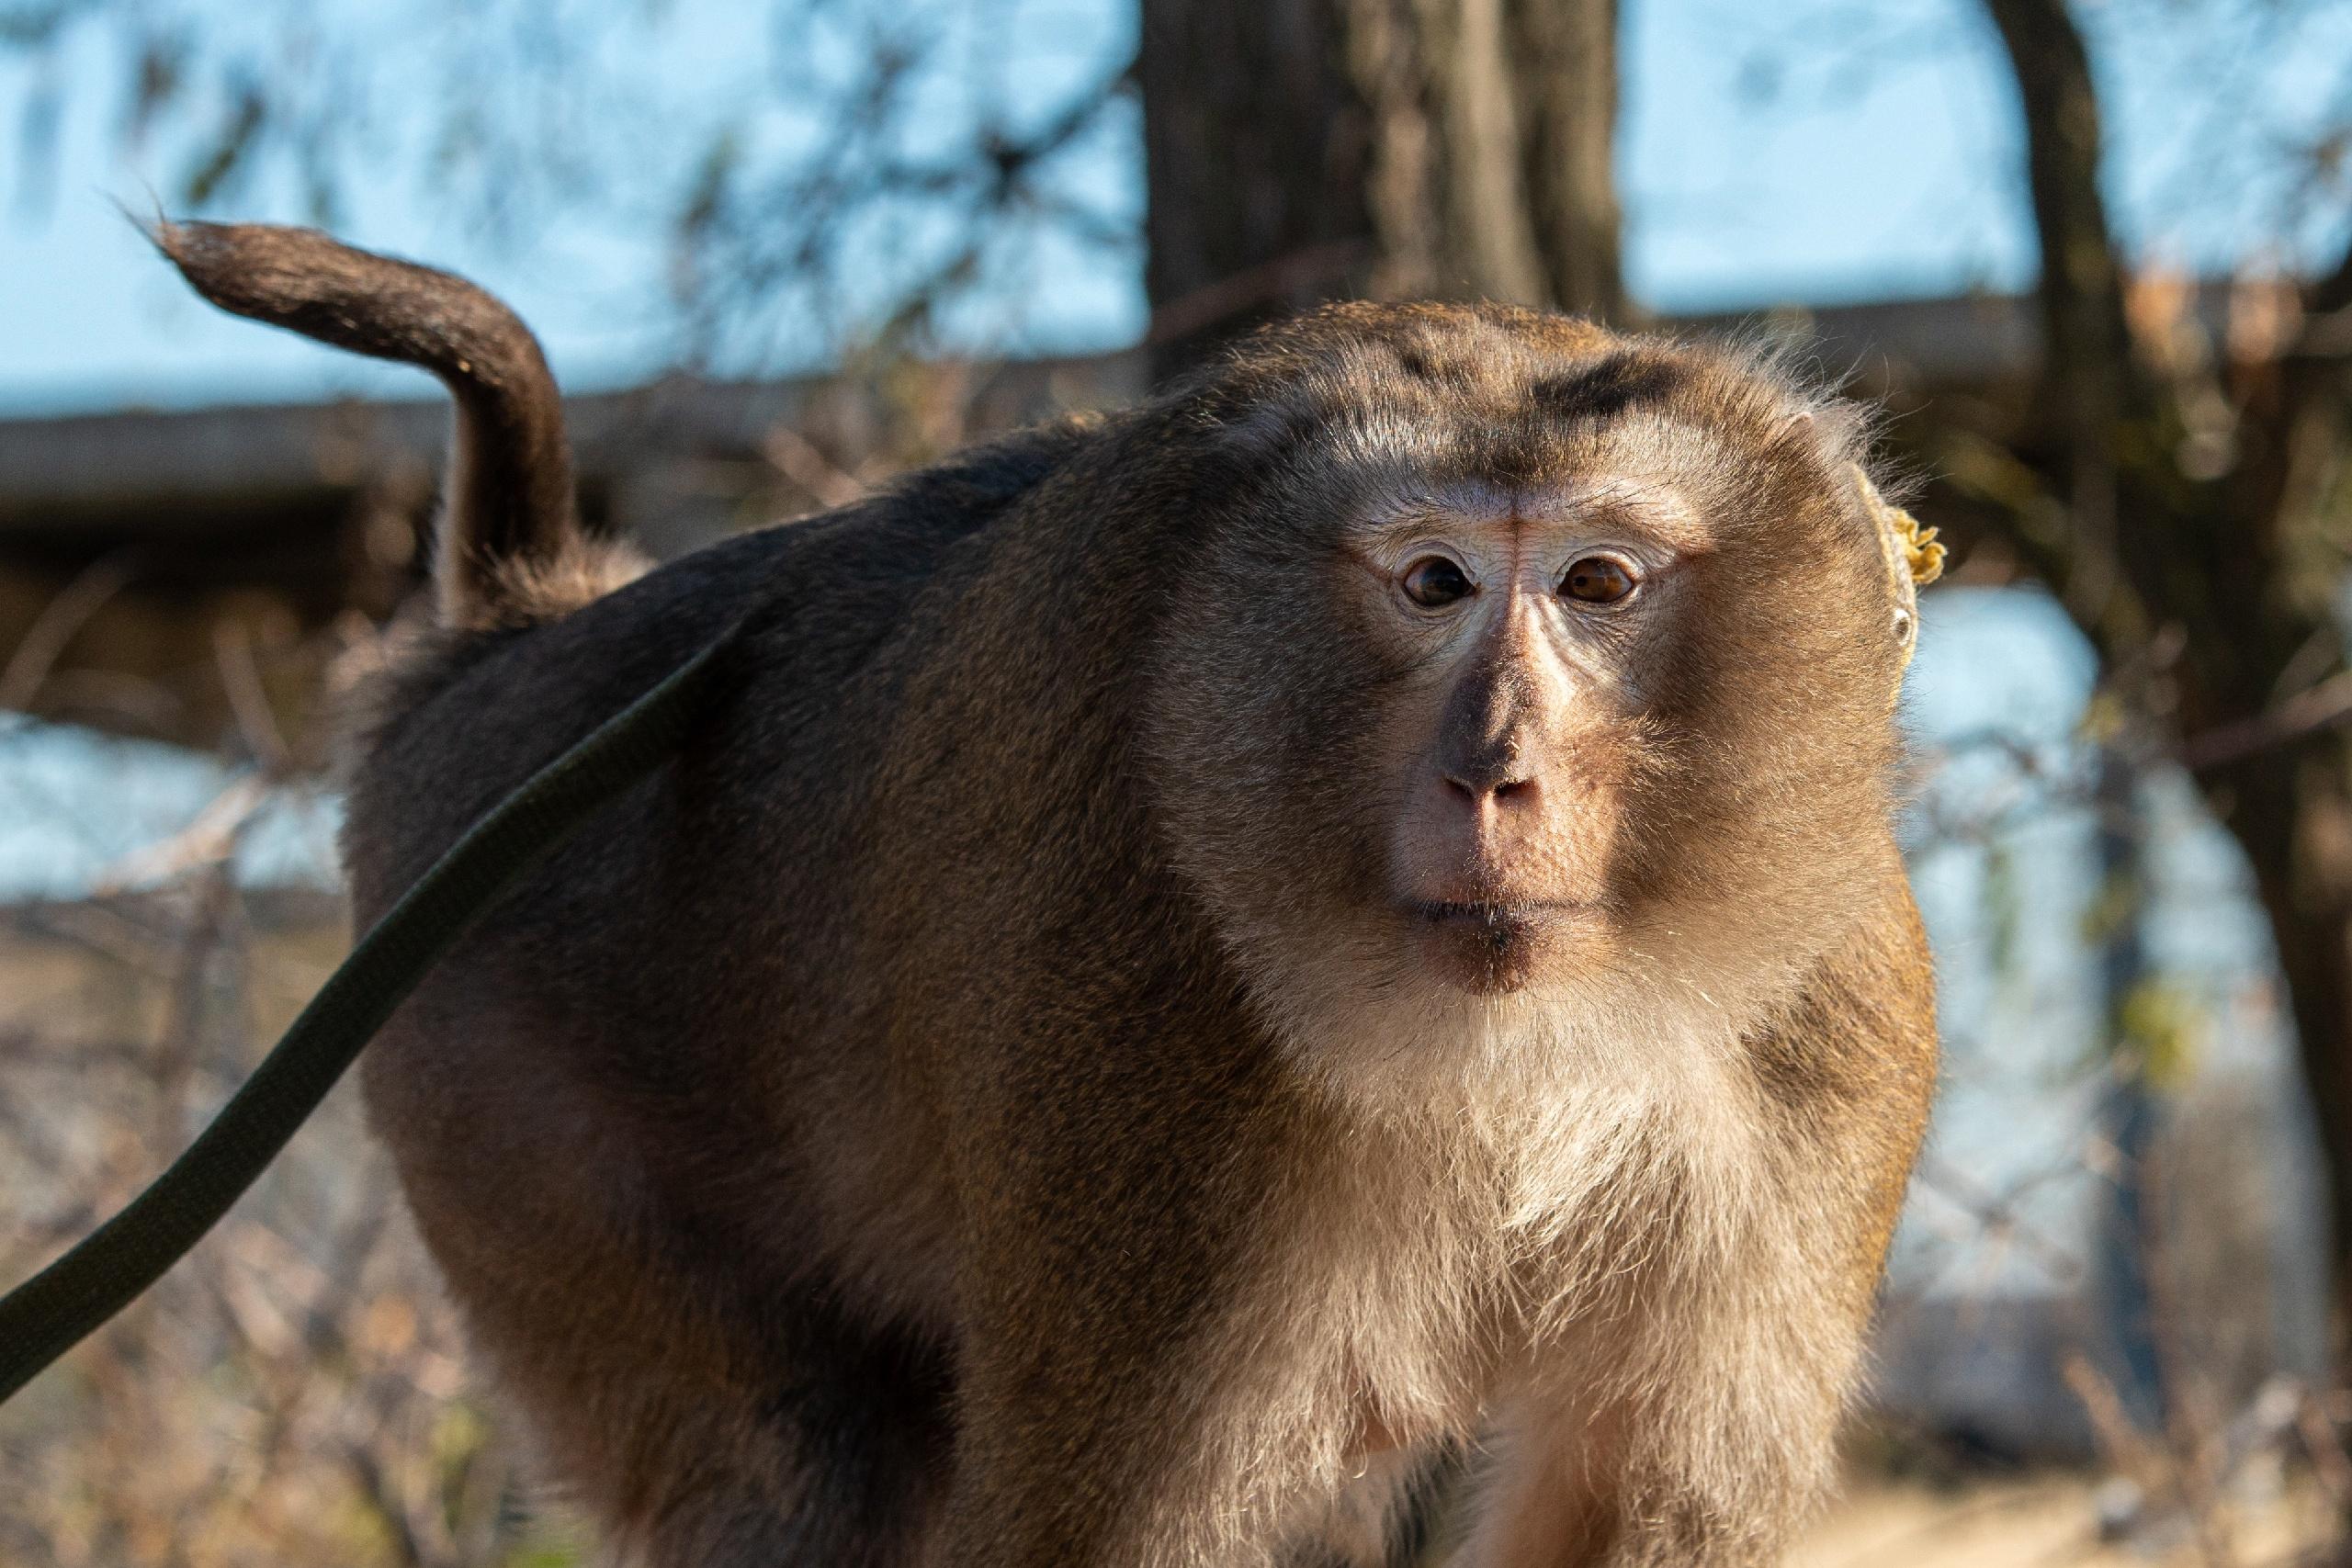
(1475, 791)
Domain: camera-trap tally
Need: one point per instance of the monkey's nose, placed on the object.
(1506, 787)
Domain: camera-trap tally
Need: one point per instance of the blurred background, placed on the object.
(2093, 259)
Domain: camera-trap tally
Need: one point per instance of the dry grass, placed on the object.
(2047, 1522)
(291, 1392)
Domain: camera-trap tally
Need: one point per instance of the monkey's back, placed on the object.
(654, 1045)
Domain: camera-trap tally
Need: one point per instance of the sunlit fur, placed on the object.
(1732, 724)
(1594, 1128)
(1018, 1089)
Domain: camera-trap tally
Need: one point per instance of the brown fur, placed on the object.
(510, 528)
(992, 1100)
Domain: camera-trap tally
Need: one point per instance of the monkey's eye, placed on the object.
(1434, 582)
(1597, 579)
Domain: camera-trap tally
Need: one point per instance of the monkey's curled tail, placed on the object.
(510, 547)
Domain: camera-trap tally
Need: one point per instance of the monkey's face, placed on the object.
(1508, 625)
(1522, 671)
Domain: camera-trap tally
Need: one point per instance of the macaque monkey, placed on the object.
(1211, 971)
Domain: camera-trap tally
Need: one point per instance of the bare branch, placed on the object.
(29, 667)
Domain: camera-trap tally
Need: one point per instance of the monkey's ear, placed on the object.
(1912, 558)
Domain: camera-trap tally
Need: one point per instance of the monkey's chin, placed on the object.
(1488, 950)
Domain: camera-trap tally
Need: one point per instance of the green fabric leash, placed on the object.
(52, 1311)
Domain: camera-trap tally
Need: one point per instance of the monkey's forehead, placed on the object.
(1618, 504)
(1658, 472)
(1496, 358)
(1513, 397)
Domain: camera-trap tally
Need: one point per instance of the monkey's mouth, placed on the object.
(1488, 948)
(1501, 919)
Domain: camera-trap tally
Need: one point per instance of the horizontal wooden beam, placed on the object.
(267, 524)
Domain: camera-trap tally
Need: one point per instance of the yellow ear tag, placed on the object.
(1914, 559)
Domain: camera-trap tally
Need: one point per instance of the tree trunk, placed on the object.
(2244, 566)
(2089, 380)
(1303, 150)
(1566, 59)
(1256, 150)
(2291, 810)
(2290, 803)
